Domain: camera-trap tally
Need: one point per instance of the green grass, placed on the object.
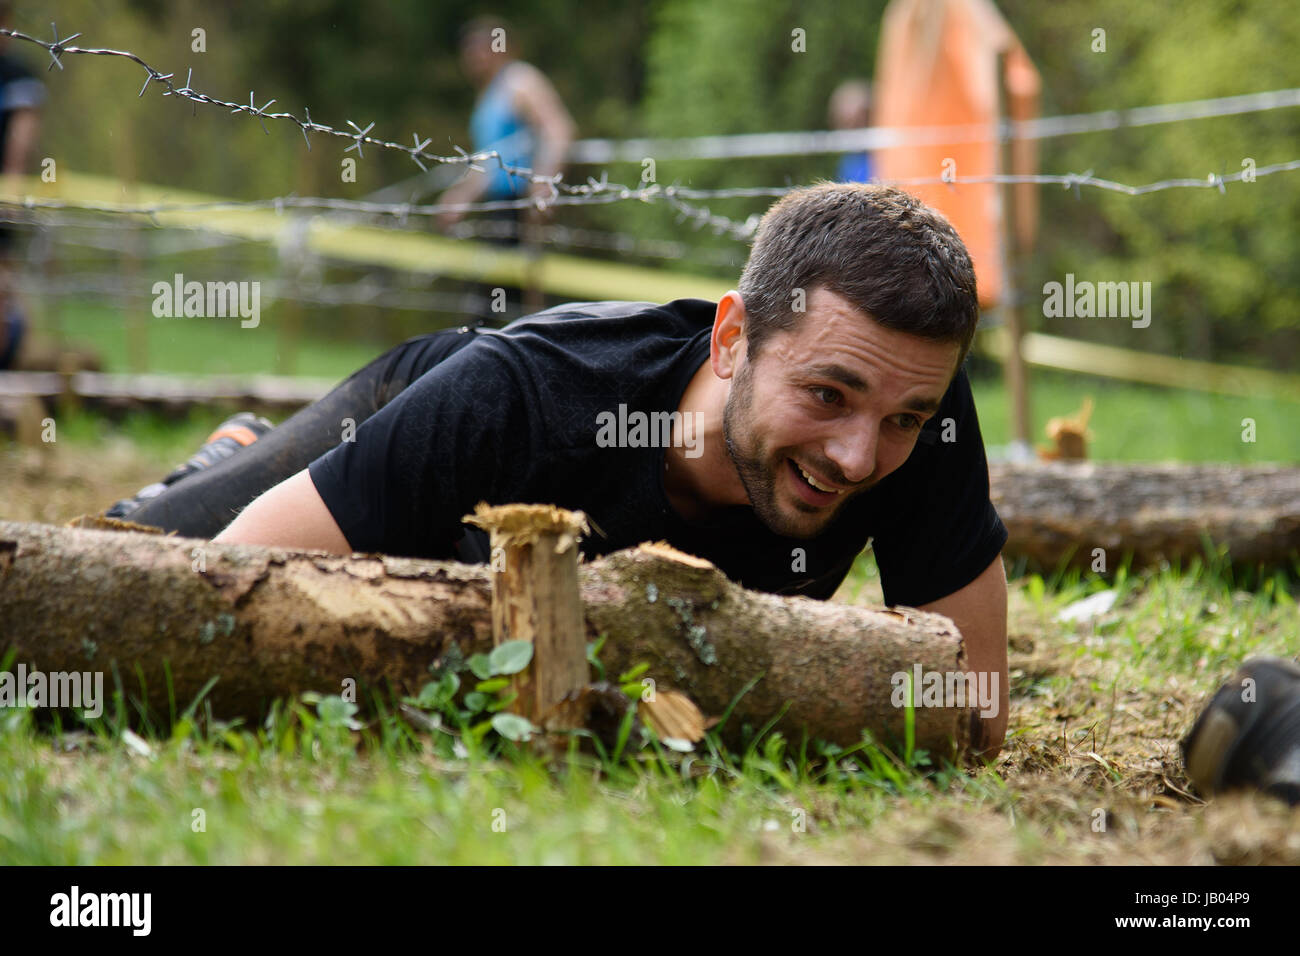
(152, 435)
(1145, 423)
(207, 346)
(304, 788)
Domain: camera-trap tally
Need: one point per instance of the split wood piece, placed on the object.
(670, 713)
(535, 598)
(1059, 512)
(272, 623)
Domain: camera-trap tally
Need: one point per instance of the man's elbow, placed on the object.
(290, 515)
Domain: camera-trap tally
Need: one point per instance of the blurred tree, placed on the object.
(1223, 267)
(746, 66)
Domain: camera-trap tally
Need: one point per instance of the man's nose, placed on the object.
(853, 451)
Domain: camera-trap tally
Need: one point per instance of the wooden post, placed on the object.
(135, 321)
(68, 401)
(535, 597)
(1014, 368)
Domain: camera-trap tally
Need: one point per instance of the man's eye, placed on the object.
(827, 396)
(909, 422)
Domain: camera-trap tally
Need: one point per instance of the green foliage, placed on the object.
(1221, 266)
(510, 657)
(730, 67)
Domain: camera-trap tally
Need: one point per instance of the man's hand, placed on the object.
(980, 612)
(466, 190)
(290, 515)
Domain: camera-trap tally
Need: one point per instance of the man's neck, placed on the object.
(699, 476)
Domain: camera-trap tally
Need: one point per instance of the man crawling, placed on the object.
(822, 406)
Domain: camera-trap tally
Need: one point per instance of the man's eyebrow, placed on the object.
(851, 379)
(924, 405)
(838, 373)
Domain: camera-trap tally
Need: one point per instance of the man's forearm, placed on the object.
(980, 612)
(20, 141)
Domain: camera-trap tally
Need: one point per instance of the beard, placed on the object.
(758, 469)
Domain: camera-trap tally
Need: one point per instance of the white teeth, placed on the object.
(813, 481)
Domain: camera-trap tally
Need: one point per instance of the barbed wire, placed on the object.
(99, 232)
(602, 191)
(805, 143)
(674, 195)
(827, 141)
(400, 212)
(59, 47)
(568, 237)
(730, 146)
(365, 291)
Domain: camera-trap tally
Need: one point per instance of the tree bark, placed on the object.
(1058, 513)
(273, 623)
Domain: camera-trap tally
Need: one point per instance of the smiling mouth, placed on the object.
(810, 489)
(815, 483)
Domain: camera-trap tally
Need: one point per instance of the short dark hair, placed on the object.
(481, 26)
(889, 254)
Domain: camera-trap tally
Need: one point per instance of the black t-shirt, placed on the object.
(513, 417)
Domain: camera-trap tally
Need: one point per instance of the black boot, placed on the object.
(232, 435)
(1248, 736)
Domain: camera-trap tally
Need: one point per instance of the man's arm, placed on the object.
(290, 515)
(980, 612)
(21, 141)
(542, 109)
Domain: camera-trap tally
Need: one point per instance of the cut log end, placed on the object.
(513, 526)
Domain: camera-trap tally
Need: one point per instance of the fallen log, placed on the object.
(272, 623)
(1057, 513)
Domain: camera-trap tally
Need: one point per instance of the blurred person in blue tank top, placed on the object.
(518, 113)
(850, 108)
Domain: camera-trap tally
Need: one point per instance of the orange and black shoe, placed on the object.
(232, 435)
(1248, 736)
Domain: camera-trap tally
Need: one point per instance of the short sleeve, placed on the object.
(458, 435)
(942, 530)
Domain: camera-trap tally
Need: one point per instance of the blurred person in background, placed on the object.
(21, 96)
(850, 108)
(518, 113)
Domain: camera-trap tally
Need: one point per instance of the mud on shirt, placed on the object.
(514, 416)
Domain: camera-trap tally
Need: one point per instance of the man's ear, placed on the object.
(727, 345)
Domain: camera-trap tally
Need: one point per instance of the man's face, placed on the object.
(828, 410)
(477, 58)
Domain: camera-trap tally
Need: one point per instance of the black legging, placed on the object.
(201, 505)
